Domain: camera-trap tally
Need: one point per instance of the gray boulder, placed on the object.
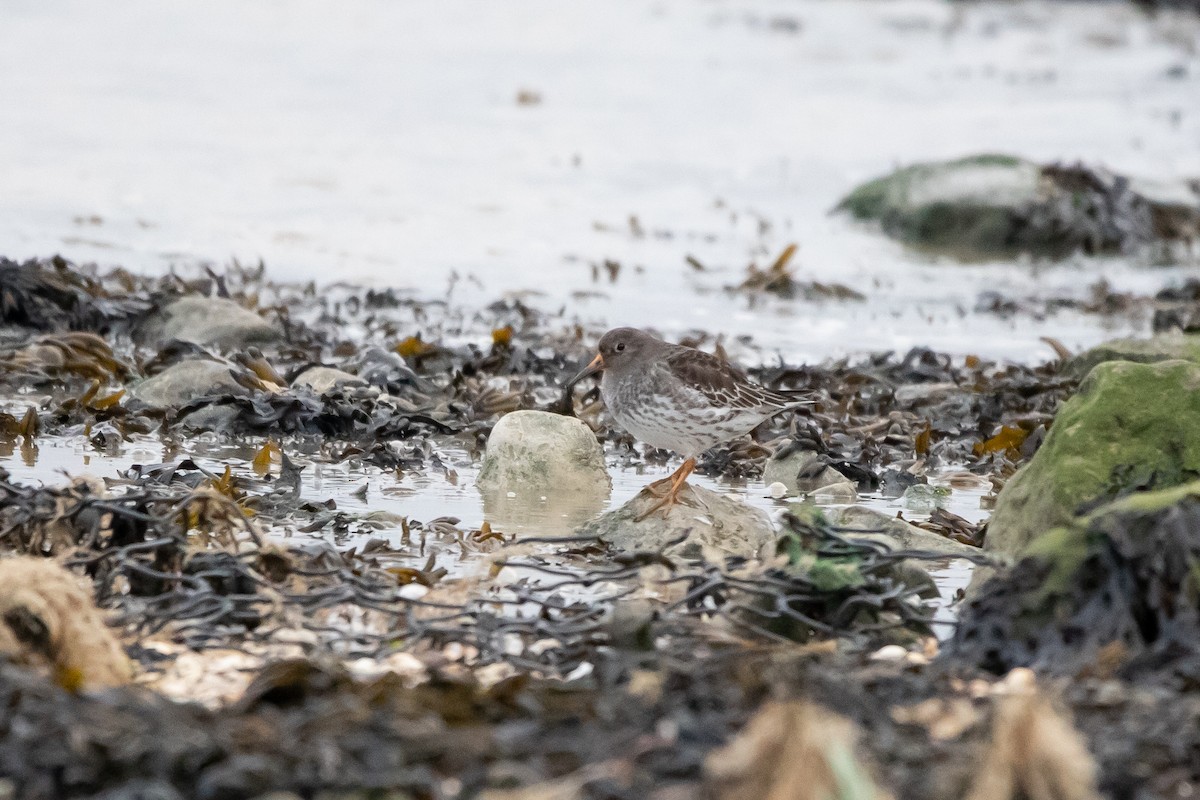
(211, 321)
(186, 381)
(539, 451)
(999, 206)
(711, 525)
(542, 470)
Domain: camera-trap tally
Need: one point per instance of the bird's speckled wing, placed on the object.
(725, 384)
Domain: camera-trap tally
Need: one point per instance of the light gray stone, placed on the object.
(212, 321)
(835, 494)
(186, 381)
(536, 451)
(217, 417)
(802, 472)
(713, 526)
(323, 379)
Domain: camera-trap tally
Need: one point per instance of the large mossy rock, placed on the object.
(1000, 206)
(1118, 589)
(1143, 351)
(1130, 427)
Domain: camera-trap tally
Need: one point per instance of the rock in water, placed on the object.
(713, 526)
(537, 460)
(1131, 427)
(803, 472)
(187, 381)
(999, 206)
(48, 621)
(213, 321)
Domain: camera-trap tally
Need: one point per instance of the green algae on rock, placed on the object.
(1102, 590)
(1131, 427)
(1164, 347)
(1001, 206)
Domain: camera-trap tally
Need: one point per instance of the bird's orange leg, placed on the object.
(677, 479)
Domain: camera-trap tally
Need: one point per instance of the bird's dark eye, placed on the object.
(620, 347)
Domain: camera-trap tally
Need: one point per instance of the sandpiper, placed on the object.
(678, 398)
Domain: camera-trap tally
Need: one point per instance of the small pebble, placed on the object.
(777, 490)
(413, 591)
(889, 652)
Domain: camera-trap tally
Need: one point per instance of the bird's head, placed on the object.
(618, 350)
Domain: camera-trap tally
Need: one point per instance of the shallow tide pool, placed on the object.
(427, 496)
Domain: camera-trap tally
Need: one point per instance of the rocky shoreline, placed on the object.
(247, 650)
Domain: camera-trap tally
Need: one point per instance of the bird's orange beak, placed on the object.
(596, 365)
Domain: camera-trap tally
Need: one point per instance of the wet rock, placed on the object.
(186, 381)
(1116, 590)
(630, 625)
(213, 321)
(1143, 351)
(904, 535)
(531, 451)
(711, 525)
(835, 494)
(1131, 427)
(323, 379)
(804, 472)
(542, 468)
(999, 206)
(216, 417)
(923, 498)
(48, 621)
